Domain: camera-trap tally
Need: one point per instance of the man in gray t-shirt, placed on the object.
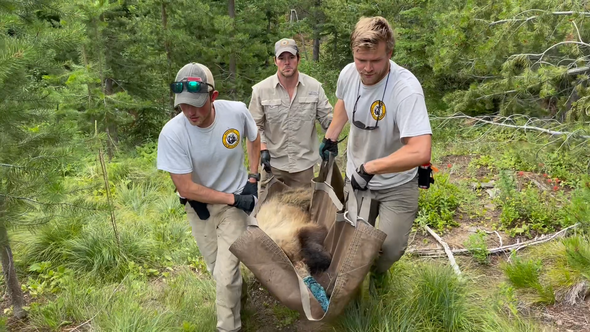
(390, 134)
(201, 149)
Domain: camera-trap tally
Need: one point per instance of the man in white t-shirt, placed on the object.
(390, 134)
(201, 149)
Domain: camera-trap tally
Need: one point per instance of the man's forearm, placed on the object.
(197, 192)
(253, 149)
(407, 157)
(338, 121)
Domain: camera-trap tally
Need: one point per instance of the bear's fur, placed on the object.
(285, 218)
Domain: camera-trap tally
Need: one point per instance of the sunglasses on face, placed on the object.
(190, 86)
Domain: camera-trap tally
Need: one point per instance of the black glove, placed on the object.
(200, 209)
(328, 146)
(360, 179)
(265, 160)
(250, 189)
(245, 202)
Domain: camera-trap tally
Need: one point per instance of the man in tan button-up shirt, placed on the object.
(285, 107)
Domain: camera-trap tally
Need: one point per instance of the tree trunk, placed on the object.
(316, 32)
(232, 57)
(12, 284)
(168, 55)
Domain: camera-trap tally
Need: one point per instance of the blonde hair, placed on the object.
(369, 31)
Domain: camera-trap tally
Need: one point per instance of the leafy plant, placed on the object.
(438, 205)
(476, 244)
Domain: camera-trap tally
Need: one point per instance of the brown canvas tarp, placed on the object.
(353, 243)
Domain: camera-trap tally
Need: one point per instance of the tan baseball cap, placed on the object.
(194, 70)
(286, 45)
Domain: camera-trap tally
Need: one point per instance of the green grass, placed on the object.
(183, 302)
(424, 296)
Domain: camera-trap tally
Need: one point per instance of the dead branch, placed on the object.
(108, 192)
(578, 31)
(541, 55)
(47, 203)
(434, 253)
(498, 234)
(10, 166)
(542, 240)
(524, 127)
(528, 19)
(448, 251)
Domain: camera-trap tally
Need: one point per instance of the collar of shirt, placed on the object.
(276, 82)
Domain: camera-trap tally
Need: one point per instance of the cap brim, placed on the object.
(283, 50)
(194, 99)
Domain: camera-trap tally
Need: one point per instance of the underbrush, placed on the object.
(148, 273)
(426, 296)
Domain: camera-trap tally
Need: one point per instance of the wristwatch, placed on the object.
(254, 176)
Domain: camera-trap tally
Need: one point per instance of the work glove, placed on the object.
(200, 209)
(250, 189)
(328, 146)
(265, 160)
(360, 178)
(245, 202)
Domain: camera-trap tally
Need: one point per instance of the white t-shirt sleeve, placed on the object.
(172, 156)
(412, 116)
(250, 127)
(343, 82)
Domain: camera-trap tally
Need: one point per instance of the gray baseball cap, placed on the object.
(200, 72)
(286, 45)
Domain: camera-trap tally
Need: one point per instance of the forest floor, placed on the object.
(264, 313)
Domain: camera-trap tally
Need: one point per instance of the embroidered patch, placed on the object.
(378, 110)
(231, 138)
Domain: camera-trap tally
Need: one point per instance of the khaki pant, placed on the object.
(214, 236)
(397, 208)
(297, 179)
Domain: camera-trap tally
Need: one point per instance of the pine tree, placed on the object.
(32, 136)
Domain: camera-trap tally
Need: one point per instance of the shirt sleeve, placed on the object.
(173, 157)
(324, 109)
(250, 128)
(340, 86)
(257, 113)
(412, 116)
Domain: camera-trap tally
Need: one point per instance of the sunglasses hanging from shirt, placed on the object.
(378, 111)
(192, 85)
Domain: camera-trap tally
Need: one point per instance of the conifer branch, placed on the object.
(31, 200)
(528, 19)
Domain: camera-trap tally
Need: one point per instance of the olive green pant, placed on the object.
(214, 236)
(397, 208)
(297, 179)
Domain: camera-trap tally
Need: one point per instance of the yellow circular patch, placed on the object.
(231, 138)
(284, 42)
(378, 110)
